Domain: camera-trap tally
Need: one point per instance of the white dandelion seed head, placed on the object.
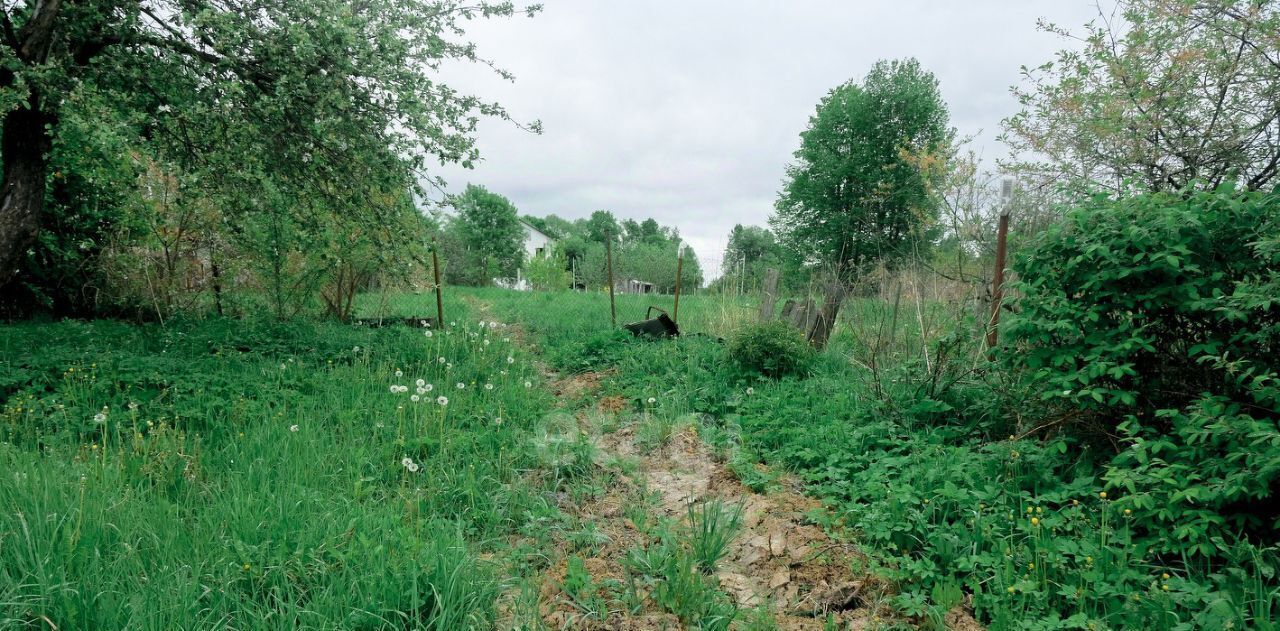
(488, 386)
(428, 332)
(503, 372)
(440, 360)
(413, 467)
(453, 324)
(442, 400)
(448, 366)
(528, 384)
(428, 388)
(486, 342)
(420, 382)
(652, 400)
(133, 405)
(493, 325)
(497, 421)
(394, 389)
(420, 390)
(100, 417)
(399, 373)
(282, 366)
(461, 385)
(415, 398)
(750, 391)
(510, 359)
(293, 428)
(406, 461)
(355, 349)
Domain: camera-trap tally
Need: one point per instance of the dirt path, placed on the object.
(652, 489)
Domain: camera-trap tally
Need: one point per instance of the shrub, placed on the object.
(772, 349)
(1154, 321)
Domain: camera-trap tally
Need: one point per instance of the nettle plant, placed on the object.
(1153, 323)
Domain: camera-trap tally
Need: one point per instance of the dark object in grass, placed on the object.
(661, 326)
(422, 323)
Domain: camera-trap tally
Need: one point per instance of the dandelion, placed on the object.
(415, 398)
(406, 461)
(421, 382)
(750, 391)
(355, 349)
(493, 325)
(497, 421)
(413, 467)
(133, 406)
(394, 388)
(1164, 576)
(399, 373)
(510, 359)
(488, 386)
(1127, 512)
(453, 324)
(652, 400)
(486, 342)
(528, 384)
(101, 417)
(293, 428)
(1035, 521)
(448, 366)
(428, 332)
(440, 360)
(428, 388)
(461, 386)
(506, 339)
(282, 366)
(442, 400)
(1103, 495)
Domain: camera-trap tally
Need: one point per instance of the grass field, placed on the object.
(220, 474)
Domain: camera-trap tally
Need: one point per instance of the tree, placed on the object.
(603, 226)
(864, 177)
(252, 91)
(1168, 94)
(489, 226)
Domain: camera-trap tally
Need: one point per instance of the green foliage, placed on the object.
(772, 349)
(490, 231)
(549, 272)
(905, 456)
(862, 186)
(1154, 317)
(712, 527)
(243, 471)
(1124, 107)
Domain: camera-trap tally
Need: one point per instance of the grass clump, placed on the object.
(771, 349)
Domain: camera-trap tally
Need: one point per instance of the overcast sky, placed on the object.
(688, 112)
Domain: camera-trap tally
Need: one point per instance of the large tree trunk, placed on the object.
(25, 146)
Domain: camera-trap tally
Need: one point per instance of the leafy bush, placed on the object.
(1155, 320)
(772, 349)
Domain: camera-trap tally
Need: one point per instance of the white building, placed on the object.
(536, 244)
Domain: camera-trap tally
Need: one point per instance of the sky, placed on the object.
(689, 112)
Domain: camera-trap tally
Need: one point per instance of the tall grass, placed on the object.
(219, 474)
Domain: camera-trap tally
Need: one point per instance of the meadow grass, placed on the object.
(252, 474)
(899, 429)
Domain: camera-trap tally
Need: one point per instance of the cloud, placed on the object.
(689, 112)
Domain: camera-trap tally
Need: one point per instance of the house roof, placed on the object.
(530, 228)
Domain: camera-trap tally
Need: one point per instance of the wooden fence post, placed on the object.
(608, 250)
(770, 294)
(997, 281)
(825, 321)
(435, 266)
(675, 312)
